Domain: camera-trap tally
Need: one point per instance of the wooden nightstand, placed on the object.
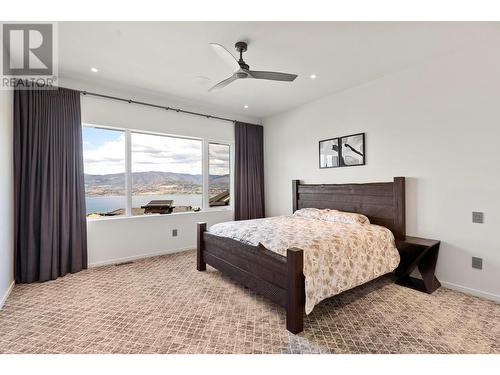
(422, 253)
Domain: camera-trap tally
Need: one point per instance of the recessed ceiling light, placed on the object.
(95, 70)
(313, 76)
(245, 106)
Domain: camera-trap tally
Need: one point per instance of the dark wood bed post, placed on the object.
(399, 208)
(295, 195)
(295, 299)
(200, 246)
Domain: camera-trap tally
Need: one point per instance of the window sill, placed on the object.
(124, 217)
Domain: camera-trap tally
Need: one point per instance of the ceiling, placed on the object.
(175, 60)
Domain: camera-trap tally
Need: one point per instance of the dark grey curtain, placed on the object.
(49, 191)
(249, 170)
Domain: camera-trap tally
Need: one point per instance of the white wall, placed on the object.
(119, 239)
(6, 196)
(438, 124)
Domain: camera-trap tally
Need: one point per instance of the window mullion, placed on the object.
(231, 176)
(128, 173)
(205, 171)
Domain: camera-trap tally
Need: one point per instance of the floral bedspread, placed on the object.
(337, 256)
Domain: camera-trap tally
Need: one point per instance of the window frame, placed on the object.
(205, 171)
(230, 172)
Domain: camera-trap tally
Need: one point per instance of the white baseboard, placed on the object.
(473, 292)
(6, 294)
(137, 257)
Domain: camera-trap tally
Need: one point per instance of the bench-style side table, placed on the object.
(422, 253)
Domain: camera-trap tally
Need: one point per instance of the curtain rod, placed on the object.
(178, 110)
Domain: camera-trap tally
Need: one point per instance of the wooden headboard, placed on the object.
(382, 202)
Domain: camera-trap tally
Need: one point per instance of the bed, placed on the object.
(256, 253)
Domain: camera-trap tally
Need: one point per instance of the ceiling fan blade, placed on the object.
(274, 76)
(223, 83)
(225, 55)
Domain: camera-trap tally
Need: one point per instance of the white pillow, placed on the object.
(311, 213)
(345, 217)
(332, 215)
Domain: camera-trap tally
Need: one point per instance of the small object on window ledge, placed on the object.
(159, 207)
(117, 212)
(221, 199)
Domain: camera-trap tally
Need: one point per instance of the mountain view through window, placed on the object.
(165, 176)
(218, 169)
(166, 168)
(104, 166)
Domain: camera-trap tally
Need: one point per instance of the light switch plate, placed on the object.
(478, 217)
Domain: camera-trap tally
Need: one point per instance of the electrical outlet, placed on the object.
(477, 263)
(174, 232)
(478, 217)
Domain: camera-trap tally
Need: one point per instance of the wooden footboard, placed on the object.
(276, 277)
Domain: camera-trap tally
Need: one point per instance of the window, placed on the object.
(166, 168)
(218, 174)
(134, 173)
(104, 167)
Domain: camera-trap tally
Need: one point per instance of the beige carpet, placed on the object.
(163, 305)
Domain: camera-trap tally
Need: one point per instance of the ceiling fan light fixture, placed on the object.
(243, 69)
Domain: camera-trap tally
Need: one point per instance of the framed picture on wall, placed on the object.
(329, 154)
(352, 150)
(342, 151)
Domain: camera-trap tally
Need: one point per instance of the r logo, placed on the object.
(27, 49)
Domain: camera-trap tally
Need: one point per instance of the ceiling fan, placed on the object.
(242, 69)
